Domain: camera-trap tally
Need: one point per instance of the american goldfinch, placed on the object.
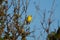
(29, 19)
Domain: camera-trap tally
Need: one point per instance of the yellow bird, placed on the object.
(29, 19)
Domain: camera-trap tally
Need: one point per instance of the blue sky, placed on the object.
(37, 15)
